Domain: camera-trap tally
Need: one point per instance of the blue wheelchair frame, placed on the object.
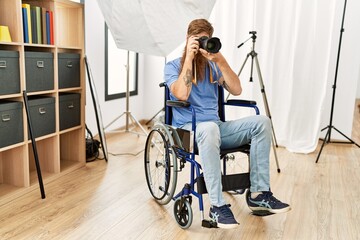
(183, 199)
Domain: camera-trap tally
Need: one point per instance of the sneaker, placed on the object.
(223, 216)
(266, 202)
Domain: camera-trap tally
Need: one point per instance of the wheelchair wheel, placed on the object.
(160, 165)
(183, 213)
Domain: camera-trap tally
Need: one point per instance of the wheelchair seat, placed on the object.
(164, 158)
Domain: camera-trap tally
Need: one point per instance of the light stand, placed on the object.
(253, 55)
(127, 113)
(327, 138)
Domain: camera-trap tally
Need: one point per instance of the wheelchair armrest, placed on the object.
(174, 103)
(240, 102)
(243, 103)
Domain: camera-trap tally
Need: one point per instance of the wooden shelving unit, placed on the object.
(64, 150)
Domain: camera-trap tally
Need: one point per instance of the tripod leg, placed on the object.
(267, 109)
(276, 158)
(242, 66)
(247, 56)
(322, 145)
(135, 121)
(351, 141)
(161, 110)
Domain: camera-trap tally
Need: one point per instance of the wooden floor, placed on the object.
(111, 200)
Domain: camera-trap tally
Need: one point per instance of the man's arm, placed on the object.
(229, 80)
(181, 88)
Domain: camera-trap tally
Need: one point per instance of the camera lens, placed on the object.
(211, 45)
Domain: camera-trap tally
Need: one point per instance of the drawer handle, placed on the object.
(40, 64)
(5, 117)
(42, 110)
(71, 105)
(2, 64)
(69, 64)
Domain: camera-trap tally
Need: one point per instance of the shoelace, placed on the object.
(270, 198)
(225, 210)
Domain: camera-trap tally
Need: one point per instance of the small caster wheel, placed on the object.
(183, 212)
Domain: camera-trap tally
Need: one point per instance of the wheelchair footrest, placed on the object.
(229, 182)
(208, 224)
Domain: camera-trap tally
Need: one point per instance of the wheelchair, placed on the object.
(167, 151)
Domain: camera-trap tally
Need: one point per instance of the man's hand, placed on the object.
(214, 57)
(192, 47)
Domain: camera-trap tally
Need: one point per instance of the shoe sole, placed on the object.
(227, 226)
(282, 210)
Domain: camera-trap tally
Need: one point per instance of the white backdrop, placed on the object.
(297, 47)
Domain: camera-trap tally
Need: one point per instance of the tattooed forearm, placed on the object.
(224, 84)
(187, 78)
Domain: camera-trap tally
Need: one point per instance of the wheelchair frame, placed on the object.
(171, 159)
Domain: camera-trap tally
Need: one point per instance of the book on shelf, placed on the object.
(51, 28)
(25, 25)
(27, 7)
(33, 25)
(48, 27)
(38, 24)
(43, 24)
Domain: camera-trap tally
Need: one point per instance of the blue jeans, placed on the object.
(211, 136)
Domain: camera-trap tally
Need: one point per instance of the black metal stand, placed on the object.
(33, 143)
(253, 55)
(127, 113)
(327, 138)
(97, 109)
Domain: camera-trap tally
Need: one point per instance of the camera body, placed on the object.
(212, 45)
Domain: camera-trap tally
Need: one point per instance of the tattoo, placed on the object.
(224, 84)
(187, 78)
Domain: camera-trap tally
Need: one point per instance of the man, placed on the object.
(194, 78)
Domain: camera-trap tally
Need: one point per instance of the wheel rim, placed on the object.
(160, 166)
(183, 213)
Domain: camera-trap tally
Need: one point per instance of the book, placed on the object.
(25, 25)
(38, 24)
(48, 27)
(43, 25)
(33, 24)
(51, 27)
(27, 6)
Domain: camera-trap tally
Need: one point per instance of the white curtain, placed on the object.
(297, 43)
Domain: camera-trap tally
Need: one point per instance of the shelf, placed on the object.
(69, 24)
(13, 167)
(61, 151)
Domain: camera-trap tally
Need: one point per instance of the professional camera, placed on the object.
(211, 45)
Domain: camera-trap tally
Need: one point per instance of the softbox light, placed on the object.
(153, 27)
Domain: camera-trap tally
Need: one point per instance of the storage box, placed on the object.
(9, 72)
(69, 70)
(69, 110)
(42, 114)
(11, 123)
(39, 71)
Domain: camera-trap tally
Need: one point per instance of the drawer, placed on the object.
(42, 114)
(9, 72)
(69, 110)
(69, 70)
(11, 123)
(39, 71)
